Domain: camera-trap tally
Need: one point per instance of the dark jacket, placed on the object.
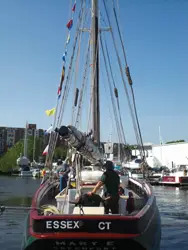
(111, 182)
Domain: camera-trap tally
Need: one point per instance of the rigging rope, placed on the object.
(67, 85)
(142, 145)
(109, 107)
(111, 93)
(129, 78)
(77, 67)
(122, 76)
(120, 36)
(118, 127)
(54, 136)
(83, 86)
(116, 94)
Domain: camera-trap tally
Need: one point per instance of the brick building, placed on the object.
(9, 136)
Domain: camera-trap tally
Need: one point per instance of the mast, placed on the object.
(25, 140)
(161, 142)
(34, 145)
(95, 73)
(119, 157)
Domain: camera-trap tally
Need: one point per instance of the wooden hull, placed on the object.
(89, 232)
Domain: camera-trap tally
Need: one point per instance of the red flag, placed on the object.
(59, 91)
(69, 24)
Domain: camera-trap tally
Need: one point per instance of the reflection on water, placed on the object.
(173, 202)
(16, 191)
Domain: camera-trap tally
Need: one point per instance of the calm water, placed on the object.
(16, 191)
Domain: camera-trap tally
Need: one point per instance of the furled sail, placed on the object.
(82, 142)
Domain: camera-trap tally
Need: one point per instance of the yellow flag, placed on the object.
(50, 112)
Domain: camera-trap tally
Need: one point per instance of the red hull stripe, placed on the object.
(84, 235)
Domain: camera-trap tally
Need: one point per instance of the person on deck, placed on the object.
(130, 207)
(63, 171)
(111, 182)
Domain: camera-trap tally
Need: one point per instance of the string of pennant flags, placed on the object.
(52, 111)
(69, 25)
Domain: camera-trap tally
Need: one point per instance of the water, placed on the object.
(173, 203)
(16, 191)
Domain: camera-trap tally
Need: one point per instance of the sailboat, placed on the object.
(23, 160)
(59, 219)
(34, 163)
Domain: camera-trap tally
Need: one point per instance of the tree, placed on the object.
(60, 153)
(178, 141)
(8, 160)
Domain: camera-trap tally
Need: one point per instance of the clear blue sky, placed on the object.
(32, 37)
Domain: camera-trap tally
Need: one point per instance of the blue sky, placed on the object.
(32, 37)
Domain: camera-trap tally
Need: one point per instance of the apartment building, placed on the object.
(3, 133)
(9, 136)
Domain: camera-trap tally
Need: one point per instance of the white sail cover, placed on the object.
(22, 161)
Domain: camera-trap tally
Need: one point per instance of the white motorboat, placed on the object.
(178, 176)
(26, 173)
(36, 172)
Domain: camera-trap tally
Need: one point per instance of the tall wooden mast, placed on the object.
(95, 73)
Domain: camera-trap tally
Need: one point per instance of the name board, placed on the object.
(168, 178)
(51, 225)
(66, 224)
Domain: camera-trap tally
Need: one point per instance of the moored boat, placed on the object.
(177, 177)
(36, 172)
(26, 173)
(66, 216)
(134, 168)
(136, 173)
(23, 161)
(86, 227)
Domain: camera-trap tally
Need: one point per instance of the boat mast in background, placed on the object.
(25, 140)
(160, 137)
(161, 143)
(34, 145)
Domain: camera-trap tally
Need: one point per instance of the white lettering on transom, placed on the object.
(62, 224)
(104, 225)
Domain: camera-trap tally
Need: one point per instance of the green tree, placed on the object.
(35, 152)
(60, 153)
(178, 141)
(8, 160)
